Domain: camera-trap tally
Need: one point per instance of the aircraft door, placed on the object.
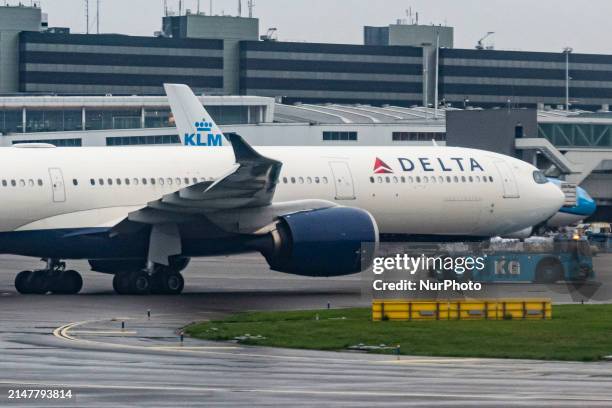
(508, 180)
(57, 185)
(343, 180)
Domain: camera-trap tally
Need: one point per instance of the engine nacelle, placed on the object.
(522, 234)
(325, 242)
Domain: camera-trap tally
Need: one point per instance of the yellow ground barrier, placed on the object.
(482, 309)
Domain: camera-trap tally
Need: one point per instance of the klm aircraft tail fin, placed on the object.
(195, 125)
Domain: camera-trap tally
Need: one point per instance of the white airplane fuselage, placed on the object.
(420, 191)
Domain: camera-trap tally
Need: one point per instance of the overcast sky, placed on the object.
(535, 25)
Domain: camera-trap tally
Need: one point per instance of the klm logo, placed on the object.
(203, 136)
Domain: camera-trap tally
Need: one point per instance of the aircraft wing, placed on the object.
(250, 183)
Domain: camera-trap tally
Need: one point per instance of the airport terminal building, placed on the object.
(101, 89)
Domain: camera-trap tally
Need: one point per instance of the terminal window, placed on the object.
(340, 136)
(418, 136)
(142, 140)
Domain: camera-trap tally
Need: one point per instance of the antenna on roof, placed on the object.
(210, 7)
(251, 4)
(87, 16)
(239, 8)
(97, 16)
(198, 7)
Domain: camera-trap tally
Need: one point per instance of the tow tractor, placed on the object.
(563, 259)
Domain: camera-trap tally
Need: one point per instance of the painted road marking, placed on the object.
(104, 332)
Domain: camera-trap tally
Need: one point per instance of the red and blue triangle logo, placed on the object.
(380, 167)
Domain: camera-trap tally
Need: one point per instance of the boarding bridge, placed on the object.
(551, 152)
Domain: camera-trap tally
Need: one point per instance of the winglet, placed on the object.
(242, 150)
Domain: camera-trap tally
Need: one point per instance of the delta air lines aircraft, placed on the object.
(141, 213)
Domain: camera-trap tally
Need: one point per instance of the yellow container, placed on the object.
(481, 309)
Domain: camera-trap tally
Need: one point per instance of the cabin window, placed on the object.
(372, 180)
(317, 180)
(491, 179)
(403, 179)
(127, 181)
(325, 181)
(309, 180)
(144, 181)
(75, 182)
(110, 181)
(4, 183)
(301, 180)
(101, 182)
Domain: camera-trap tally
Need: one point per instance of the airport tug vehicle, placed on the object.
(563, 259)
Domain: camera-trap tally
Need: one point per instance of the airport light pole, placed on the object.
(567, 51)
(426, 53)
(437, 71)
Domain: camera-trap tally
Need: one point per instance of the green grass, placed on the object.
(577, 332)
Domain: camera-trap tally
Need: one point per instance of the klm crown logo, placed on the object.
(203, 136)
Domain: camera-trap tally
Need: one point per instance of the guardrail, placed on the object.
(486, 309)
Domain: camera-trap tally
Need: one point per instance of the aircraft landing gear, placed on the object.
(55, 279)
(164, 280)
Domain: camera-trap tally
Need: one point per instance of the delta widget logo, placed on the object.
(203, 136)
(380, 167)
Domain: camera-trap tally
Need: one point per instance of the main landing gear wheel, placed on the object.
(121, 283)
(22, 282)
(162, 282)
(140, 283)
(68, 283)
(54, 279)
(168, 283)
